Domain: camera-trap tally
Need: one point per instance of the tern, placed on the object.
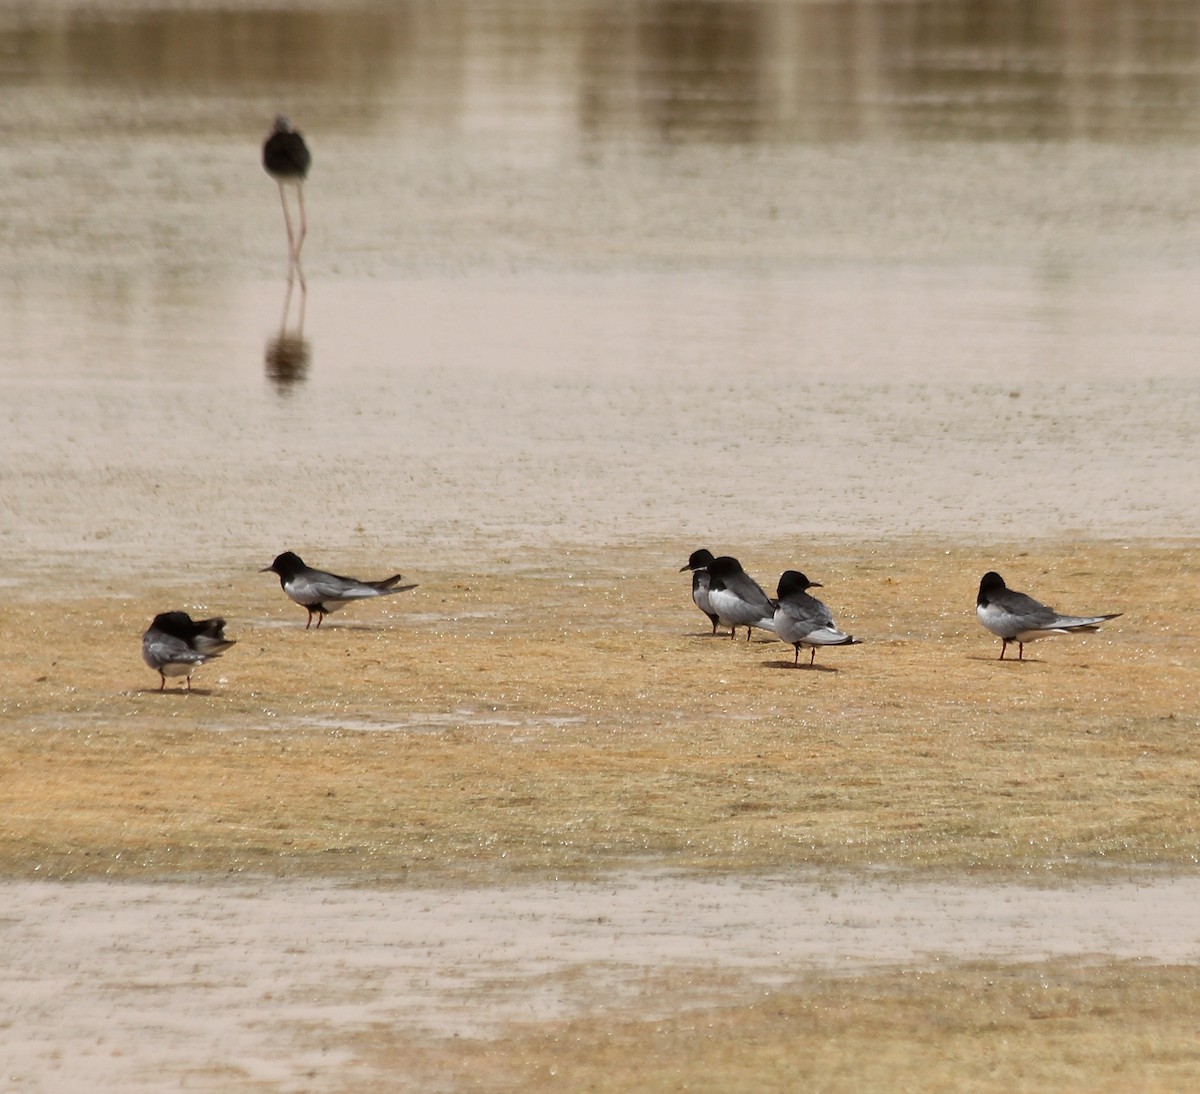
(802, 619)
(698, 563)
(1015, 617)
(321, 593)
(737, 599)
(177, 645)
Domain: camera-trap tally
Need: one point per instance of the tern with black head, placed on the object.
(698, 563)
(737, 599)
(1015, 617)
(802, 619)
(176, 644)
(321, 593)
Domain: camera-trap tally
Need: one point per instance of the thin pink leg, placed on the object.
(287, 223)
(303, 233)
(303, 220)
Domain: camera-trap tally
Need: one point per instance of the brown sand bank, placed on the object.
(566, 713)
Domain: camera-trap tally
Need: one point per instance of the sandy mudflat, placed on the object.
(133, 986)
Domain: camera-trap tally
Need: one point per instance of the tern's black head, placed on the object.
(792, 582)
(176, 624)
(182, 625)
(698, 560)
(989, 585)
(725, 567)
(286, 565)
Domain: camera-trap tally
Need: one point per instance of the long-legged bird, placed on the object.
(286, 159)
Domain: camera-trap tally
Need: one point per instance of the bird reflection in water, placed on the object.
(286, 361)
(289, 352)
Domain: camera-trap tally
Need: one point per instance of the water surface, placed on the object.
(595, 272)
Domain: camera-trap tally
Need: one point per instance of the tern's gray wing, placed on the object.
(210, 646)
(747, 589)
(159, 649)
(734, 611)
(1023, 611)
(210, 637)
(1082, 622)
(317, 587)
(800, 615)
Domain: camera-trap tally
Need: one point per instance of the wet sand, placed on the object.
(272, 984)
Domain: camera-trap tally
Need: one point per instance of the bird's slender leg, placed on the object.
(1003, 647)
(813, 657)
(309, 622)
(188, 678)
(748, 629)
(162, 681)
(300, 236)
(303, 220)
(287, 223)
(796, 659)
(732, 633)
(1020, 651)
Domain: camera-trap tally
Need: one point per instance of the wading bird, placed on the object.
(286, 159)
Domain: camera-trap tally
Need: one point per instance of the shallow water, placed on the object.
(587, 272)
(122, 986)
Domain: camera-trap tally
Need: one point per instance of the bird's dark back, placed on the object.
(286, 156)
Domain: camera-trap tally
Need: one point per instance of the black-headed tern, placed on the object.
(176, 644)
(737, 599)
(321, 593)
(1015, 617)
(802, 619)
(698, 563)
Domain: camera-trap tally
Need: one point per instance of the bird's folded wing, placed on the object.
(165, 648)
